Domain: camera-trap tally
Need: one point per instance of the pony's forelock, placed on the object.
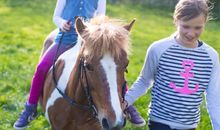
(105, 35)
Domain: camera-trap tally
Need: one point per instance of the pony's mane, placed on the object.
(105, 35)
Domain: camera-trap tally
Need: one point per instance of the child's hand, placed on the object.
(124, 105)
(124, 109)
(66, 26)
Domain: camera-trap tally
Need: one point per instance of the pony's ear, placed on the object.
(129, 26)
(79, 25)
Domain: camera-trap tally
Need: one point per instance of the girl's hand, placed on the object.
(124, 105)
(124, 109)
(66, 26)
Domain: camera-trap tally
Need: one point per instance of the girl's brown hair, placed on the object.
(188, 9)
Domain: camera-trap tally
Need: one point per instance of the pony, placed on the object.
(84, 90)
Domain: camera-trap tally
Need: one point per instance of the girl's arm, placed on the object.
(59, 22)
(101, 9)
(213, 96)
(145, 78)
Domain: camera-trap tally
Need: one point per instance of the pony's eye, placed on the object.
(89, 67)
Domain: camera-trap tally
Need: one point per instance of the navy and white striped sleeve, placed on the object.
(213, 93)
(145, 78)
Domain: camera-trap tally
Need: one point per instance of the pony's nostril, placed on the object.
(105, 124)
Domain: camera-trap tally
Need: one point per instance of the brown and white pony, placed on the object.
(90, 74)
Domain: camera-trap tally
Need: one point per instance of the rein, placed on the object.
(86, 87)
(90, 106)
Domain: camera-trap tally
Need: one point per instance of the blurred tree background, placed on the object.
(169, 4)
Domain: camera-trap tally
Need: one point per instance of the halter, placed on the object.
(86, 87)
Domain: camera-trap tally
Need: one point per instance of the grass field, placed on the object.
(25, 23)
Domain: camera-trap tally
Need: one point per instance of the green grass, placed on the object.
(25, 24)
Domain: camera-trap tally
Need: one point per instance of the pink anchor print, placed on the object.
(187, 65)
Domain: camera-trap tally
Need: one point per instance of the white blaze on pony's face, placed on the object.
(110, 69)
(105, 48)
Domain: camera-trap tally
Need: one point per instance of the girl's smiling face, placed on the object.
(188, 32)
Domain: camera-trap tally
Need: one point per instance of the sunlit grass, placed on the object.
(25, 24)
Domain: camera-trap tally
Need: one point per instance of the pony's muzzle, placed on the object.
(109, 125)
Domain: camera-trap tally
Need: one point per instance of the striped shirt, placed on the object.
(180, 76)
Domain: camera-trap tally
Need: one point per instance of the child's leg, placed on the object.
(49, 40)
(157, 126)
(42, 69)
(30, 111)
(134, 117)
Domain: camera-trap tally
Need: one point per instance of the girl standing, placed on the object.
(181, 68)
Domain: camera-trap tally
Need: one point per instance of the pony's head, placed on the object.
(105, 48)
